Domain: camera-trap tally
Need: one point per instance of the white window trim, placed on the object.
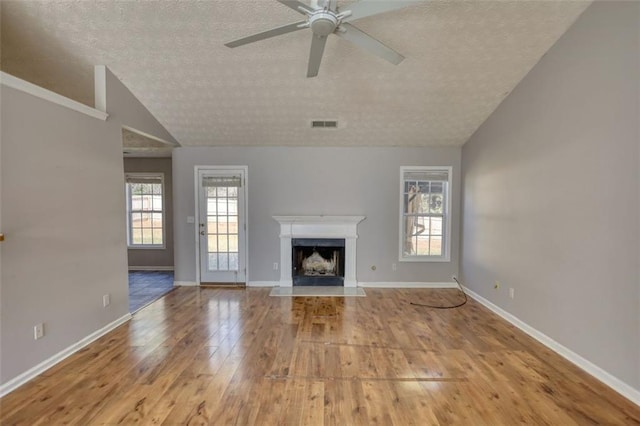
(164, 213)
(446, 257)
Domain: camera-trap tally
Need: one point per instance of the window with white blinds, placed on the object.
(425, 204)
(145, 210)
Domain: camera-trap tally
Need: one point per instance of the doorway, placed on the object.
(221, 224)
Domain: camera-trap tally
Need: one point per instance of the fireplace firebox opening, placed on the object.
(317, 261)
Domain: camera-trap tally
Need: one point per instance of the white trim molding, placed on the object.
(42, 93)
(23, 378)
(608, 379)
(263, 284)
(400, 284)
(150, 268)
(319, 227)
(185, 284)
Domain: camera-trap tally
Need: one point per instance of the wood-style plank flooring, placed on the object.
(235, 356)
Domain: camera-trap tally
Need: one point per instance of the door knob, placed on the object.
(202, 232)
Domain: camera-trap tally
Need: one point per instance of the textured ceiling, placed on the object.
(462, 59)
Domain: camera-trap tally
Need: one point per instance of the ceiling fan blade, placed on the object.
(315, 56)
(296, 5)
(267, 34)
(365, 8)
(365, 41)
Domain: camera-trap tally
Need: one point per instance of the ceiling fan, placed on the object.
(324, 17)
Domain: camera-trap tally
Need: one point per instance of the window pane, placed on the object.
(222, 206)
(424, 201)
(436, 226)
(136, 236)
(233, 224)
(422, 245)
(213, 261)
(223, 261)
(222, 243)
(233, 206)
(156, 220)
(147, 236)
(222, 191)
(222, 225)
(212, 225)
(157, 236)
(435, 246)
(157, 188)
(136, 202)
(232, 192)
(233, 243)
(436, 203)
(233, 261)
(211, 206)
(136, 220)
(212, 243)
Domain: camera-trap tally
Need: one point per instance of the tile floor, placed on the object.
(147, 286)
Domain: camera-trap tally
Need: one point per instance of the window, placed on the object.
(425, 203)
(145, 210)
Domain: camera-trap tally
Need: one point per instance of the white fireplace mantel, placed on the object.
(318, 227)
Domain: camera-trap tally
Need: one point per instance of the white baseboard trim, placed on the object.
(613, 382)
(185, 284)
(263, 284)
(23, 378)
(151, 268)
(400, 284)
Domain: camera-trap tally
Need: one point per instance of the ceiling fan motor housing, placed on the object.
(323, 23)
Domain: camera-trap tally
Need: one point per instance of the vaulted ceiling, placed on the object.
(462, 59)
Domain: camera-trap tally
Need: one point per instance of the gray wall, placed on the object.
(155, 257)
(62, 213)
(312, 181)
(551, 194)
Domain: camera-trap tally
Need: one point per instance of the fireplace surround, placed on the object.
(318, 227)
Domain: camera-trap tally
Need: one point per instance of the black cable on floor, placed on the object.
(446, 307)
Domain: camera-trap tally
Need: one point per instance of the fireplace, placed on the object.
(317, 261)
(342, 228)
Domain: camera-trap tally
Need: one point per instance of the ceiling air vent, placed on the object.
(324, 124)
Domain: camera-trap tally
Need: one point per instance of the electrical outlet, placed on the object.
(394, 267)
(512, 292)
(275, 266)
(38, 331)
(106, 300)
(496, 285)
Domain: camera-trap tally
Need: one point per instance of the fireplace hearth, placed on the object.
(319, 227)
(317, 261)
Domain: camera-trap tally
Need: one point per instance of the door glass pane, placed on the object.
(222, 228)
(223, 259)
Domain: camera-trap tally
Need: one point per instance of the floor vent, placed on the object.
(324, 124)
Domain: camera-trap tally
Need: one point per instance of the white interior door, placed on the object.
(222, 225)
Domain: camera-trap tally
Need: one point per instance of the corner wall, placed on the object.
(551, 196)
(318, 181)
(63, 217)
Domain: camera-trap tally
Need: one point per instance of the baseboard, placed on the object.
(185, 284)
(263, 284)
(400, 284)
(608, 379)
(151, 268)
(23, 378)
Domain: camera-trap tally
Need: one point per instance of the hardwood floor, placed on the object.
(234, 356)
